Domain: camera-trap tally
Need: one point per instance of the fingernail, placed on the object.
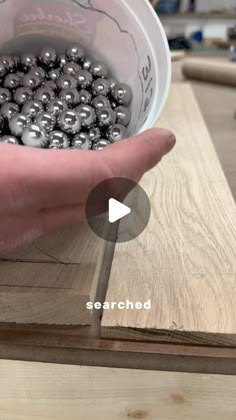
(170, 142)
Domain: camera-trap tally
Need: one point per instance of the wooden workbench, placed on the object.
(34, 389)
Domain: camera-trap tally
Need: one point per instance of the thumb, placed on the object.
(131, 158)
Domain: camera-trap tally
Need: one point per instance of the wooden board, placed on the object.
(185, 260)
(51, 282)
(73, 244)
(47, 392)
(66, 345)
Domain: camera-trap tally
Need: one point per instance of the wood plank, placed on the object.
(185, 260)
(47, 391)
(218, 119)
(54, 290)
(66, 345)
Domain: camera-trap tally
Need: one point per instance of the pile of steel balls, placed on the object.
(62, 101)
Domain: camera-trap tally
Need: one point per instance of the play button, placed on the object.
(118, 210)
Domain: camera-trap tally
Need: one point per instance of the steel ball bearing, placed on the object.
(69, 122)
(81, 141)
(5, 96)
(18, 123)
(46, 120)
(9, 140)
(9, 109)
(116, 132)
(44, 94)
(58, 140)
(33, 108)
(34, 136)
(65, 101)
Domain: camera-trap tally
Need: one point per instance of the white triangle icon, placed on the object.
(117, 210)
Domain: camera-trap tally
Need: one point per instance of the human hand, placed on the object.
(42, 190)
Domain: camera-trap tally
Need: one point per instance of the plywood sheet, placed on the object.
(185, 260)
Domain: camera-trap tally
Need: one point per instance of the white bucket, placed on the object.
(126, 34)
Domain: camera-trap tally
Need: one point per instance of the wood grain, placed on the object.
(219, 119)
(46, 391)
(185, 260)
(54, 289)
(73, 244)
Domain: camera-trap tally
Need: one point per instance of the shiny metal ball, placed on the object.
(69, 122)
(28, 61)
(3, 70)
(85, 97)
(33, 108)
(100, 102)
(98, 69)
(75, 53)
(101, 144)
(23, 95)
(87, 115)
(34, 136)
(38, 71)
(81, 141)
(12, 81)
(44, 94)
(9, 139)
(17, 124)
(51, 84)
(58, 140)
(9, 109)
(84, 79)
(9, 63)
(94, 134)
(62, 60)
(46, 120)
(56, 107)
(106, 116)
(116, 132)
(5, 96)
(71, 68)
(123, 115)
(100, 87)
(67, 82)
(48, 57)
(54, 74)
(87, 63)
(122, 93)
(70, 97)
(31, 81)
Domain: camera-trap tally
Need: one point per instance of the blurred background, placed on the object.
(202, 39)
(202, 26)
